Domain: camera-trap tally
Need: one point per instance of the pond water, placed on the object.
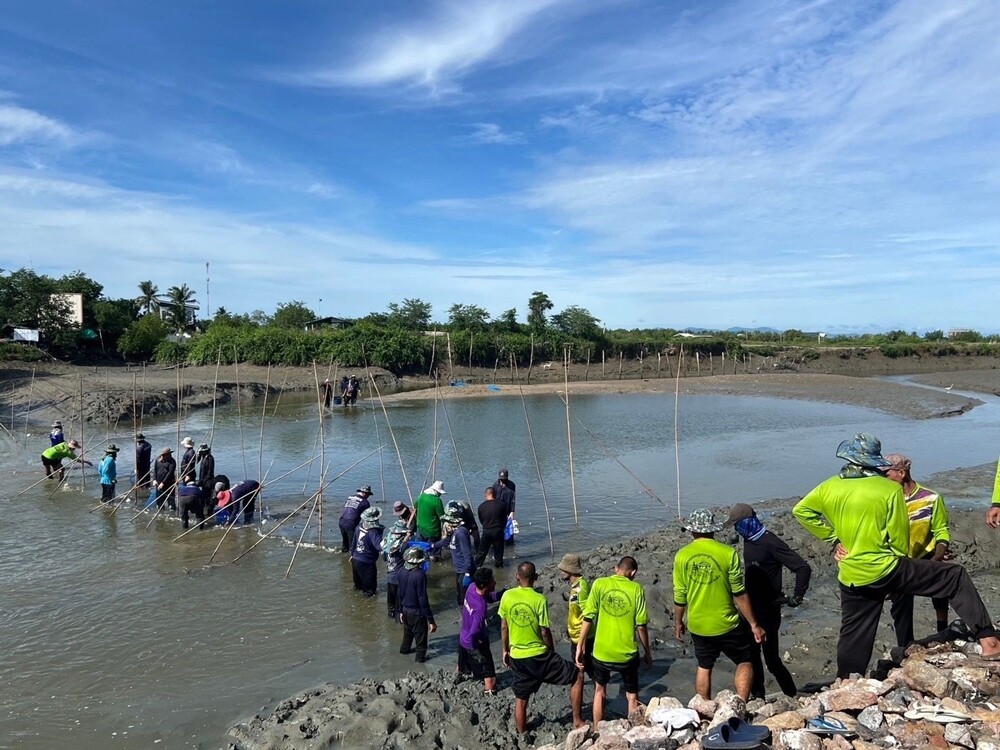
(114, 635)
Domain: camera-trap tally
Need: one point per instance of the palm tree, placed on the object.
(147, 299)
(180, 298)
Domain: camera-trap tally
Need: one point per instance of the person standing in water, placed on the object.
(108, 469)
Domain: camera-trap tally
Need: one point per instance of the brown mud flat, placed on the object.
(432, 708)
(112, 394)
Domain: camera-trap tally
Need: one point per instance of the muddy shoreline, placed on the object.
(35, 395)
(433, 708)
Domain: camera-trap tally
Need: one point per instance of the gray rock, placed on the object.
(683, 735)
(647, 738)
(988, 743)
(925, 678)
(797, 739)
(871, 718)
(616, 742)
(729, 705)
(613, 728)
(897, 701)
(576, 738)
(705, 708)
(958, 734)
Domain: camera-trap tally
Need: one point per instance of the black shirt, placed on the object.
(493, 516)
(505, 494)
(764, 560)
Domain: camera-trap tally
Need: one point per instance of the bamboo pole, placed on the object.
(135, 431)
(604, 375)
(451, 365)
(677, 434)
(534, 453)
(392, 433)
(263, 417)
(322, 448)
(621, 360)
(586, 373)
(300, 507)
(434, 341)
(569, 436)
(458, 458)
(215, 394)
(697, 361)
(434, 440)
(31, 390)
(302, 536)
(640, 363)
(83, 482)
(266, 484)
(531, 358)
(472, 337)
(239, 410)
(658, 357)
(381, 460)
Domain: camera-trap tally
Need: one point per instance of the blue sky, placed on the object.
(819, 165)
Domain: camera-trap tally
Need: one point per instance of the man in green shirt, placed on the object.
(527, 645)
(862, 514)
(709, 589)
(571, 571)
(618, 604)
(52, 458)
(428, 509)
(993, 514)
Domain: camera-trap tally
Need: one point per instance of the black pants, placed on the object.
(491, 540)
(365, 577)
(107, 493)
(902, 613)
(415, 628)
(769, 618)
(861, 606)
(247, 504)
(392, 591)
(188, 505)
(346, 536)
(166, 495)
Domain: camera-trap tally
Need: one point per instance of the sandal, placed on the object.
(824, 725)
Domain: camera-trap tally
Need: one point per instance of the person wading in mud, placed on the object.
(350, 517)
(527, 645)
(862, 514)
(143, 458)
(709, 589)
(414, 607)
(165, 478)
(764, 555)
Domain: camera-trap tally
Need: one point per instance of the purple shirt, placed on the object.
(473, 632)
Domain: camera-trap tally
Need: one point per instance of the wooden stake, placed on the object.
(451, 366)
(531, 357)
(31, 390)
(677, 429)
(586, 373)
(621, 359)
(569, 436)
(83, 469)
(538, 468)
(239, 410)
(322, 460)
(603, 373)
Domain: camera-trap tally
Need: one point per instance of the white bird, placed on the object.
(950, 387)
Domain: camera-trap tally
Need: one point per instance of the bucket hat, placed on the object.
(57, 423)
(112, 449)
(437, 488)
(399, 508)
(371, 515)
(571, 564)
(702, 521)
(139, 436)
(74, 443)
(166, 451)
(204, 448)
(863, 450)
(188, 442)
(365, 488)
(899, 461)
(504, 474)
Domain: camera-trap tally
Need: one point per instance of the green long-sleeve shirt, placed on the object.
(996, 486)
(868, 516)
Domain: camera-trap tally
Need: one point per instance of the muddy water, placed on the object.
(113, 636)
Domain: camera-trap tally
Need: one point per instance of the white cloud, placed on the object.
(460, 36)
(491, 133)
(20, 125)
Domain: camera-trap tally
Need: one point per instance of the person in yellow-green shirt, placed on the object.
(571, 571)
(709, 590)
(618, 604)
(862, 514)
(929, 539)
(993, 514)
(527, 645)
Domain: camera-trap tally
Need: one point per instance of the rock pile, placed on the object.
(941, 696)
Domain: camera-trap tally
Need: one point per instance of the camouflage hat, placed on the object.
(864, 451)
(451, 520)
(702, 521)
(414, 557)
(372, 515)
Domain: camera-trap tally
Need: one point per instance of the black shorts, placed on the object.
(737, 644)
(52, 463)
(480, 661)
(629, 670)
(535, 671)
(588, 657)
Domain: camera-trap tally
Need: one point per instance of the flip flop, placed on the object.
(724, 738)
(937, 714)
(824, 725)
(745, 728)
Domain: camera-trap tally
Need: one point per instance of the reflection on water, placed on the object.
(115, 635)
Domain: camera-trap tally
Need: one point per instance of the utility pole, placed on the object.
(208, 298)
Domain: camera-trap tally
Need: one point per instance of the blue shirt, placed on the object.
(412, 597)
(462, 555)
(353, 509)
(367, 544)
(108, 470)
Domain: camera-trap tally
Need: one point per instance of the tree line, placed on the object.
(402, 338)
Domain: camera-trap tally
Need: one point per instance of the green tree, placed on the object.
(937, 335)
(577, 321)
(260, 318)
(538, 305)
(411, 314)
(26, 299)
(142, 337)
(90, 290)
(292, 314)
(507, 321)
(468, 317)
(180, 297)
(113, 318)
(147, 299)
